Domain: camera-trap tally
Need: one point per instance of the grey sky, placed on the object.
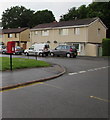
(58, 8)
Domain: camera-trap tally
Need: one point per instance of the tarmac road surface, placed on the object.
(82, 92)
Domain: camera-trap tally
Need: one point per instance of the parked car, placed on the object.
(64, 50)
(4, 51)
(2, 48)
(18, 50)
(41, 49)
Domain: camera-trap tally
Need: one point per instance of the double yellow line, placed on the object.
(99, 99)
(20, 86)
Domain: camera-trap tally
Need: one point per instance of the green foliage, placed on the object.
(19, 63)
(17, 17)
(21, 17)
(82, 12)
(44, 16)
(106, 47)
(71, 15)
(74, 13)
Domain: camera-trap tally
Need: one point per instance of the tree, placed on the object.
(71, 15)
(21, 17)
(44, 16)
(17, 17)
(82, 12)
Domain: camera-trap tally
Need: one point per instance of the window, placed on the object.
(31, 48)
(36, 33)
(10, 35)
(59, 47)
(63, 31)
(76, 31)
(45, 33)
(63, 47)
(67, 47)
(98, 31)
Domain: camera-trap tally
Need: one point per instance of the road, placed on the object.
(82, 92)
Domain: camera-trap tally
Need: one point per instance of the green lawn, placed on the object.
(19, 63)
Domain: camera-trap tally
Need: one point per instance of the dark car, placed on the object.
(64, 50)
(18, 50)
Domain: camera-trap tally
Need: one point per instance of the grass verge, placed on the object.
(20, 63)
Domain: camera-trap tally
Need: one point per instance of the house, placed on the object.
(85, 34)
(20, 35)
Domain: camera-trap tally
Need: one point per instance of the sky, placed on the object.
(58, 7)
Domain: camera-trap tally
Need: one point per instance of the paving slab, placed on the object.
(22, 76)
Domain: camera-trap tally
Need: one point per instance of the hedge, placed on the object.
(106, 47)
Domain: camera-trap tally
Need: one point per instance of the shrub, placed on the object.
(106, 47)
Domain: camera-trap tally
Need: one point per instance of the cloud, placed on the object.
(58, 8)
(47, 0)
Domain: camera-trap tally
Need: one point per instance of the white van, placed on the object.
(41, 49)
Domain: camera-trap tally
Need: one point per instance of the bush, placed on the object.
(106, 47)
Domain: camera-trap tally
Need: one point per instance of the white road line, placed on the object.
(90, 70)
(97, 68)
(104, 67)
(73, 73)
(81, 71)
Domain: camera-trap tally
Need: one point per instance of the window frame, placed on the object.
(45, 32)
(63, 31)
(10, 35)
(77, 31)
(98, 31)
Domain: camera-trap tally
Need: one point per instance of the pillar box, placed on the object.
(11, 47)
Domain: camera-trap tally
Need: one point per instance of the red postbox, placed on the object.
(11, 47)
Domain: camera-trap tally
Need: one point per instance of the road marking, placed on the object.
(96, 69)
(37, 83)
(99, 99)
(81, 71)
(90, 70)
(104, 67)
(73, 73)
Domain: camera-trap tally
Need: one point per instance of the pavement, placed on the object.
(23, 77)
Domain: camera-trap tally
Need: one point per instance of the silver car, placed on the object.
(64, 50)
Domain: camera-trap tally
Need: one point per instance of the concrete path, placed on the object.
(11, 79)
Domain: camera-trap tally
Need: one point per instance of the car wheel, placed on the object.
(74, 56)
(52, 54)
(41, 54)
(68, 55)
(26, 54)
(3, 52)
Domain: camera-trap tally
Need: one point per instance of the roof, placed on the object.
(13, 30)
(78, 22)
